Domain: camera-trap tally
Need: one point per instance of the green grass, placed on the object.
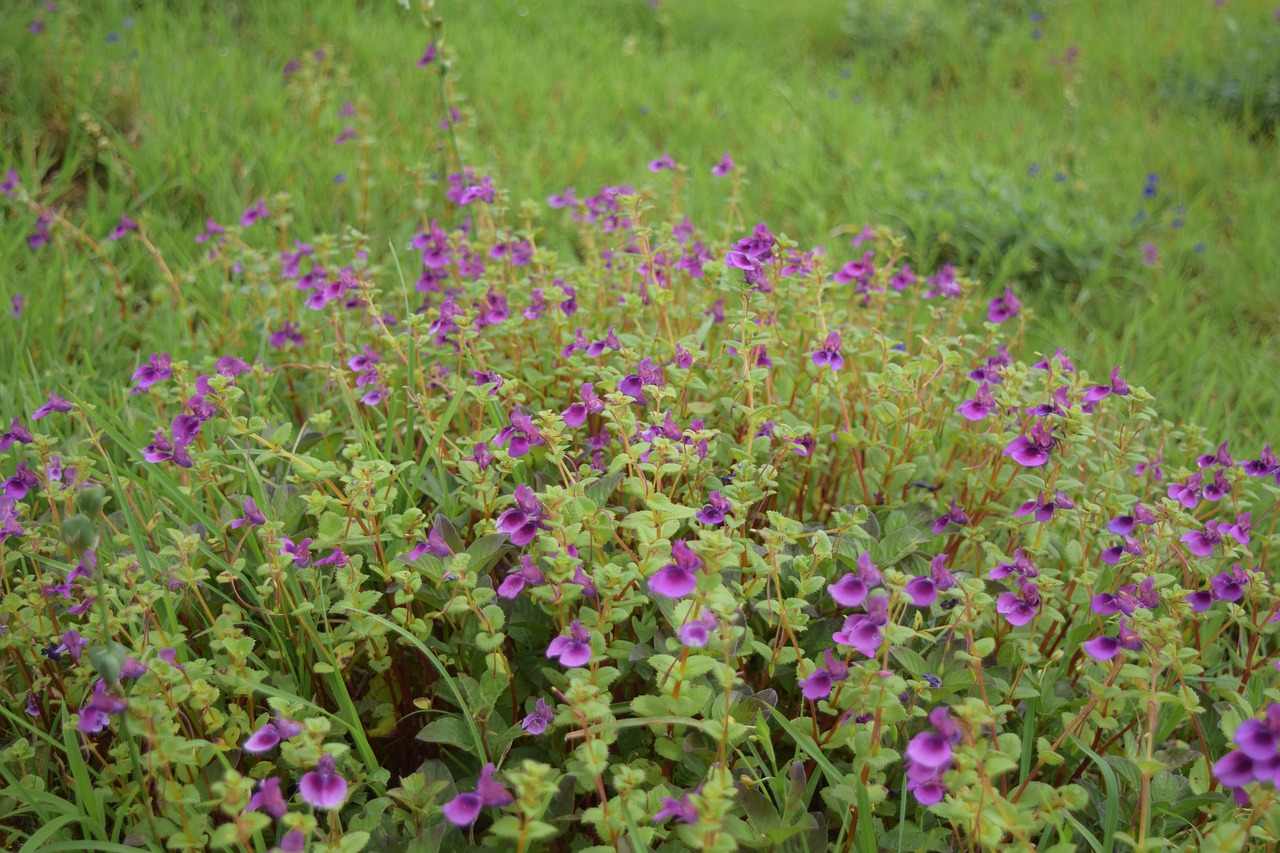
(925, 127)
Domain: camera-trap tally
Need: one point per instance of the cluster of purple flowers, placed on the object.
(929, 757)
(751, 254)
(861, 631)
(523, 521)
(1256, 757)
(1224, 586)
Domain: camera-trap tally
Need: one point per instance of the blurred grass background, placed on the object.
(1013, 137)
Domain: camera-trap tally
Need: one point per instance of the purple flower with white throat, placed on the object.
(829, 355)
(1044, 509)
(715, 510)
(956, 515)
(522, 521)
(573, 650)
(679, 577)
(323, 788)
(1032, 450)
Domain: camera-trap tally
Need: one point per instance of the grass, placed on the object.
(840, 116)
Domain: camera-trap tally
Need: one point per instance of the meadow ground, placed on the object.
(1115, 161)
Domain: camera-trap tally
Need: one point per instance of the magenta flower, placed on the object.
(1021, 567)
(1266, 465)
(157, 369)
(662, 163)
(252, 516)
(1240, 530)
(955, 515)
(1112, 555)
(269, 798)
(523, 521)
(294, 841)
(323, 788)
(1117, 387)
(1219, 457)
(1188, 493)
(463, 809)
(428, 56)
(929, 757)
(829, 354)
(255, 212)
(266, 738)
(720, 170)
(95, 715)
(903, 279)
(715, 510)
(924, 590)
(943, 283)
(851, 589)
(679, 577)
(862, 630)
(122, 228)
(300, 551)
(819, 682)
(287, 334)
(528, 575)
(1127, 599)
(572, 650)
(537, 721)
(566, 199)
(695, 633)
(1202, 542)
(1063, 361)
(681, 809)
(1021, 608)
(980, 406)
(23, 481)
(1044, 509)
(17, 433)
(55, 404)
(1124, 525)
(1105, 648)
(592, 404)
(1004, 307)
(1032, 450)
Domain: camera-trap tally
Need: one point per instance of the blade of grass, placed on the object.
(1111, 815)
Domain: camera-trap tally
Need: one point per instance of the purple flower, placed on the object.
(300, 551)
(572, 650)
(266, 738)
(11, 182)
(903, 279)
(1004, 307)
(679, 577)
(1265, 465)
(829, 354)
(980, 406)
(929, 756)
(1021, 608)
(1021, 566)
(943, 283)
(1150, 254)
(1240, 530)
(1220, 457)
(592, 404)
(323, 788)
(566, 199)
(924, 590)
(55, 404)
(269, 798)
(287, 334)
(1127, 599)
(851, 590)
(1188, 493)
(1124, 525)
(682, 809)
(1202, 542)
(124, 227)
(481, 456)
(255, 212)
(695, 633)
(157, 369)
(1044, 509)
(955, 515)
(1229, 586)
(536, 722)
(715, 510)
(211, 229)
(428, 56)
(22, 482)
(1117, 387)
(1105, 648)
(252, 516)
(862, 630)
(1063, 361)
(1112, 555)
(17, 433)
(40, 236)
(1032, 450)
(294, 841)
(528, 575)
(819, 682)
(94, 716)
(663, 162)
(720, 170)
(523, 521)
(804, 445)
